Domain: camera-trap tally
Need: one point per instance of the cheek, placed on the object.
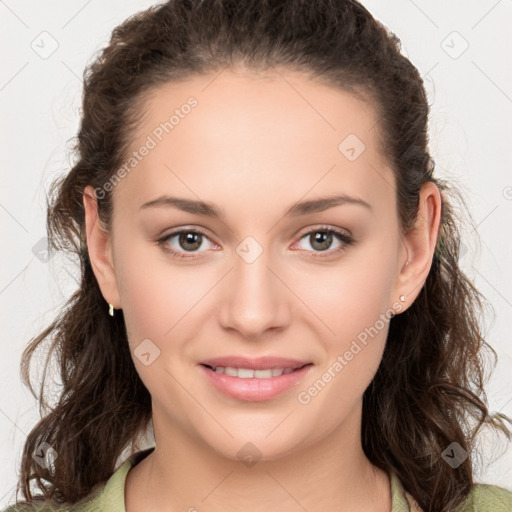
(356, 313)
(157, 297)
(351, 296)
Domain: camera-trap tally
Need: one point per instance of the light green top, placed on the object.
(109, 496)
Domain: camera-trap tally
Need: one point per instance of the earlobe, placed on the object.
(419, 243)
(99, 248)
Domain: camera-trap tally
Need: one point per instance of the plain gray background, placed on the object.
(462, 49)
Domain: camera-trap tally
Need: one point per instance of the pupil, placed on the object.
(186, 238)
(323, 238)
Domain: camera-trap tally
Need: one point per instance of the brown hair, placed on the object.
(428, 391)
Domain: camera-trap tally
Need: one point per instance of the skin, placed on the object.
(254, 146)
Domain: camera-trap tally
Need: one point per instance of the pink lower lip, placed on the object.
(253, 390)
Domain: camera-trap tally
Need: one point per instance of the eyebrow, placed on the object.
(296, 210)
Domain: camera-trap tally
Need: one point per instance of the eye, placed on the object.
(190, 240)
(321, 238)
(187, 240)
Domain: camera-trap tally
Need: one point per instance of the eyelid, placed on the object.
(324, 227)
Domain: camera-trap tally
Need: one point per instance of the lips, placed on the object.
(260, 363)
(255, 389)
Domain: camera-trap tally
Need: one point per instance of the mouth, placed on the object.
(251, 373)
(251, 385)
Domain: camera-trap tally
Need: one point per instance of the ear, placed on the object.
(419, 244)
(100, 249)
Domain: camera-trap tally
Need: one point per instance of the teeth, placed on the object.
(247, 373)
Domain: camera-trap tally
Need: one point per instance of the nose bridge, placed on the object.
(255, 299)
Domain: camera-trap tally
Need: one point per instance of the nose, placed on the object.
(254, 299)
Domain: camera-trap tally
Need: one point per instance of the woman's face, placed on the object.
(258, 280)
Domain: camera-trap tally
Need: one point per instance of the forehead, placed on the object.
(241, 134)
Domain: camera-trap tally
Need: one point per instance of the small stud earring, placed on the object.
(402, 298)
(111, 309)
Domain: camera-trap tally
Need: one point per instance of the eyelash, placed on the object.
(346, 240)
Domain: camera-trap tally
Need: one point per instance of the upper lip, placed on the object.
(259, 363)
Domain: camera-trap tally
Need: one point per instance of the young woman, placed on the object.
(270, 280)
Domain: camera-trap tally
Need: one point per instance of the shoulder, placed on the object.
(29, 507)
(485, 497)
(482, 498)
(35, 507)
(107, 496)
(90, 504)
